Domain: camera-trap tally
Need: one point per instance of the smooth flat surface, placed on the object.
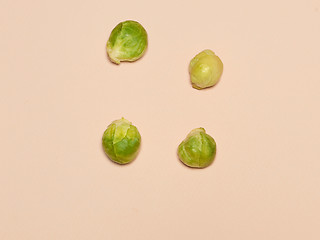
(59, 92)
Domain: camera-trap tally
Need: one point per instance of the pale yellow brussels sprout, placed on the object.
(128, 41)
(198, 149)
(121, 141)
(205, 69)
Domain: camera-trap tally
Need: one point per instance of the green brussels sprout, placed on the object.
(205, 69)
(127, 42)
(121, 141)
(198, 149)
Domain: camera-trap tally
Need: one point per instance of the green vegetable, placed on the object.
(205, 69)
(198, 149)
(127, 42)
(121, 141)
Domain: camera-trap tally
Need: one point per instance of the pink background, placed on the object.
(59, 92)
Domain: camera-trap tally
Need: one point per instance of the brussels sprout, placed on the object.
(205, 69)
(127, 42)
(121, 141)
(198, 149)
